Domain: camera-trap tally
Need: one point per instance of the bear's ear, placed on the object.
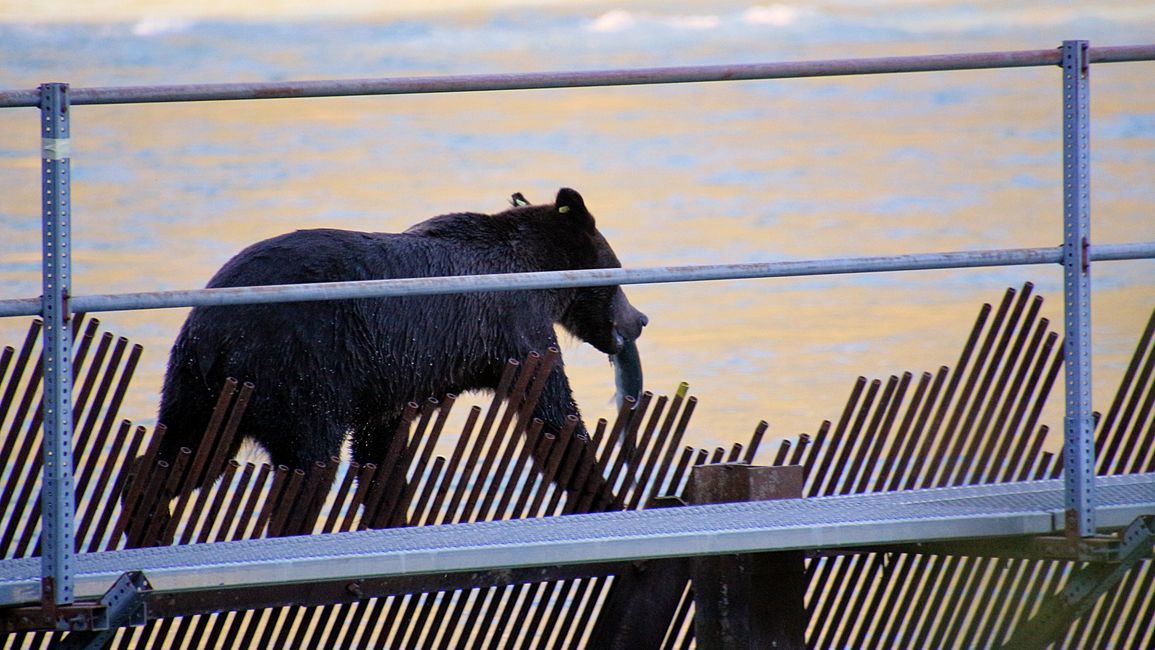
(570, 204)
(518, 200)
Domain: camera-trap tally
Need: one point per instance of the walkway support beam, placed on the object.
(58, 501)
(1079, 440)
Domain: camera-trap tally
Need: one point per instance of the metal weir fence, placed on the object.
(973, 422)
(56, 305)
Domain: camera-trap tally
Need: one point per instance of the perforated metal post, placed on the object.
(57, 499)
(1079, 446)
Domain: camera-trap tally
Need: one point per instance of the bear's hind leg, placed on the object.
(372, 443)
(307, 445)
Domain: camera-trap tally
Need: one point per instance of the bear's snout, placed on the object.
(630, 328)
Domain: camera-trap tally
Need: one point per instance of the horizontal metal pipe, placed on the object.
(574, 79)
(563, 279)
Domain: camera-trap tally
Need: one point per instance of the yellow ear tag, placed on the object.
(563, 209)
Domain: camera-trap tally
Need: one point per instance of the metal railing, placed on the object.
(56, 303)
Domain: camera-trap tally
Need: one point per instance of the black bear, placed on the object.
(327, 369)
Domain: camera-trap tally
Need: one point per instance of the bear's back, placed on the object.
(322, 255)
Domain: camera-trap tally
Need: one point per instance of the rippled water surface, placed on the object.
(688, 174)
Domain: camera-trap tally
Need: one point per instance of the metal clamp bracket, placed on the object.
(125, 603)
(1087, 584)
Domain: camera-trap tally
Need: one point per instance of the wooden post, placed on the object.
(747, 601)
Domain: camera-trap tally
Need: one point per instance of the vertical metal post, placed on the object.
(57, 499)
(1079, 446)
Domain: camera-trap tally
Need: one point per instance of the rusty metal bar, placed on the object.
(1144, 610)
(1011, 417)
(154, 525)
(800, 449)
(554, 475)
(877, 467)
(576, 624)
(520, 482)
(665, 477)
(1007, 353)
(931, 573)
(29, 507)
(421, 626)
(437, 515)
(549, 450)
(1000, 602)
(214, 450)
(613, 497)
(578, 473)
(520, 401)
(913, 565)
(5, 359)
(1137, 461)
(227, 531)
(822, 474)
(146, 501)
(990, 389)
(645, 458)
(1107, 456)
(936, 586)
(443, 411)
(846, 441)
(85, 445)
(503, 482)
(1045, 388)
(565, 592)
(22, 358)
(898, 456)
(280, 507)
(880, 428)
(972, 393)
(1024, 356)
(434, 483)
(278, 528)
(17, 435)
(104, 516)
(471, 464)
(1040, 392)
(256, 488)
(856, 601)
(80, 434)
(1119, 460)
(272, 498)
(213, 511)
(966, 590)
(902, 585)
(649, 482)
(390, 471)
(114, 465)
(406, 477)
(224, 443)
(944, 406)
(846, 570)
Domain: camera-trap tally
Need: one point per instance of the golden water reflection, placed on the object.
(710, 173)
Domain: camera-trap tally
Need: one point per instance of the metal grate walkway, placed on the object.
(1029, 508)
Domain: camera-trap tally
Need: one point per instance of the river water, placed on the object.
(687, 174)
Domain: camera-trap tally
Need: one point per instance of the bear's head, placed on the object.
(600, 316)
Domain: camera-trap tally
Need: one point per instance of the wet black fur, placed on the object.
(323, 370)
